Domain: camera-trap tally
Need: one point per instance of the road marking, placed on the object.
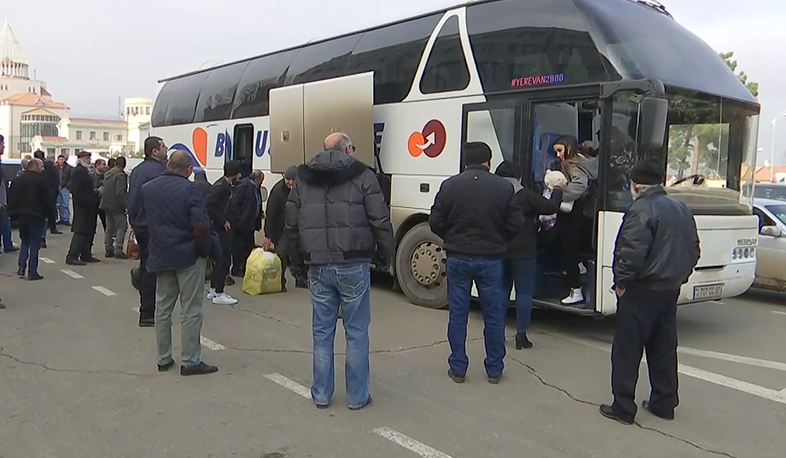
(734, 358)
(46, 260)
(71, 274)
(722, 380)
(104, 291)
(778, 313)
(291, 385)
(210, 344)
(409, 443)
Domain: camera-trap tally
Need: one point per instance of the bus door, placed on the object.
(498, 123)
(576, 119)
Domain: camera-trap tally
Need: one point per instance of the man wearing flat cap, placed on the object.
(245, 210)
(86, 198)
(476, 213)
(656, 250)
(274, 227)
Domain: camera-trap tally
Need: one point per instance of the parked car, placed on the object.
(10, 168)
(771, 252)
(772, 191)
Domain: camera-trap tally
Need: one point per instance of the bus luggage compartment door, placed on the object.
(301, 116)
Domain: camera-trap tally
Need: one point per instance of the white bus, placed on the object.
(517, 74)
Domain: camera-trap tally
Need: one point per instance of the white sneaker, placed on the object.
(576, 297)
(224, 299)
(211, 294)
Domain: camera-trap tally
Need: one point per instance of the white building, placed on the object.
(31, 120)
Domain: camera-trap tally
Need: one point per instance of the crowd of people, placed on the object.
(329, 222)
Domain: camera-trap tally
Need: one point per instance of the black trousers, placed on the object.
(81, 244)
(147, 286)
(242, 246)
(646, 320)
(53, 214)
(221, 261)
(102, 217)
(571, 232)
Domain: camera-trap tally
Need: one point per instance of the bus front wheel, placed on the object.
(421, 268)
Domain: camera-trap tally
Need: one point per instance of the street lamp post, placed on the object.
(772, 162)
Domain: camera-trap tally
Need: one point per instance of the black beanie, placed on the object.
(648, 172)
(476, 153)
(291, 173)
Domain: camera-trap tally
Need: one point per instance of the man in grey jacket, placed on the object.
(114, 203)
(336, 219)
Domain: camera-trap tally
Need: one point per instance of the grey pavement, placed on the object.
(78, 379)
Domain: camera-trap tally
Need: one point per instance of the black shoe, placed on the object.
(75, 262)
(91, 260)
(43, 245)
(494, 380)
(322, 406)
(13, 249)
(120, 255)
(109, 254)
(199, 369)
(21, 272)
(368, 402)
(229, 281)
(301, 283)
(147, 322)
(609, 413)
(56, 232)
(2, 306)
(136, 278)
(522, 341)
(646, 406)
(166, 366)
(456, 378)
(35, 277)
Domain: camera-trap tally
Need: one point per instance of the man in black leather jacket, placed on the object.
(656, 250)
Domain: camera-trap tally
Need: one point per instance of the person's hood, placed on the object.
(331, 167)
(516, 184)
(112, 172)
(588, 164)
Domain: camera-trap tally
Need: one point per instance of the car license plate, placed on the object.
(707, 292)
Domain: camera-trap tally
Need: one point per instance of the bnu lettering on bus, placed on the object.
(224, 141)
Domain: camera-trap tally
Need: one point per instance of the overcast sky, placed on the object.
(91, 54)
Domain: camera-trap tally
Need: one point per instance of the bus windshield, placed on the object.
(710, 150)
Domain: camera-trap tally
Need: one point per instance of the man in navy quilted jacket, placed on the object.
(179, 243)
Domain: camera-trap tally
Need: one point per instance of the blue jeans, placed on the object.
(31, 230)
(487, 275)
(62, 204)
(5, 229)
(521, 273)
(347, 286)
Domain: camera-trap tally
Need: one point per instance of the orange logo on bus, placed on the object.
(431, 141)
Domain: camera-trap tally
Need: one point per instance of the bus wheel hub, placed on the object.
(428, 264)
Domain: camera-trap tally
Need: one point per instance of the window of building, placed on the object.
(446, 69)
(106, 136)
(50, 152)
(147, 111)
(92, 135)
(64, 151)
(120, 137)
(78, 134)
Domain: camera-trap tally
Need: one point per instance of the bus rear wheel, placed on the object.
(421, 268)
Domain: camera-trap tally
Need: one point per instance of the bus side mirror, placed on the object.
(772, 231)
(654, 114)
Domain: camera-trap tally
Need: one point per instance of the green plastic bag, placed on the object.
(263, 273)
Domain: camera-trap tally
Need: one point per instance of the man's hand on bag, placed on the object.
(227, 226)
(267, 245)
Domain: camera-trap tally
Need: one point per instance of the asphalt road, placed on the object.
(78, 379)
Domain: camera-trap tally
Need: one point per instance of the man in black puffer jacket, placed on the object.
(657, 248)
(336, 219)
(476, 213)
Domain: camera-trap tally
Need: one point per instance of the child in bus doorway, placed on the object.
(572, 223)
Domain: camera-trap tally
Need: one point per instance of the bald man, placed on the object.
(179, 243)
(336, 218)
